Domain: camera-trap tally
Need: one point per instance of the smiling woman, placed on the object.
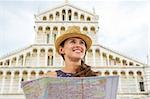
(72, 46)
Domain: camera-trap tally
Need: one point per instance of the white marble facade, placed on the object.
(35, 60)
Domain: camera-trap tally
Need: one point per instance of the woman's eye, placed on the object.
(82, 42)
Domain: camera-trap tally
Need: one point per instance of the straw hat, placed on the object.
(73, 31)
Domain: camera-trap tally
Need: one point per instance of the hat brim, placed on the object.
(63, 37)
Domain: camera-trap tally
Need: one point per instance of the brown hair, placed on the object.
(84, 71)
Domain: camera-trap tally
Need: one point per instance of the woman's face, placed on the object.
(74, 48)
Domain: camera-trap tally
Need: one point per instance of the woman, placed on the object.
(72, 46)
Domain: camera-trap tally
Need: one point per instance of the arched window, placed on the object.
(50, 57)
(107, 73)
(115, 73)
(50, 17)
(93, 30)
(82, 17)
(44, 18)
(57, 16)
(47, 29)
(88, 19)
(41, 73)
(84, 29)
(40, 29)
(16, 73)
(33, 73)
(69, 15)
(1, 73)
(63, 15)
(123, 73)
(75, 16)
(62, 29)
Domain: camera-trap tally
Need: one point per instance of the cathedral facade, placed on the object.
(39, 58)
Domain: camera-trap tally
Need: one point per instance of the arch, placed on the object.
(122, 73)
(42, 50)
(115, 73)
(24, 73)
(41, 73)
(62, 29)
(33, 73)
(75, 15)
(69, 14)
(1, 63)
(131, 63)
(44, 18)
(106, 73)
(131, 73)
(34, 50)
(85, 29)
(139, 73)
(1, 73)
(57, 15)
(51, 17)
(16, 73)
(88, 19)
(63, 14)
(55, 29)
(81, 17)
(124, 62)
(92, 29)
(40, 29)
(8, 73)
(47, 29)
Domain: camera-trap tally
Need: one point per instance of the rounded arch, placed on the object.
(139, 73)
(33, 73)
(8, 73)
(81, 17)
(106, 73)
(51, 17)
(57, 15)
(131, 73)
(42, 50)
(47, 29)
(85, 29)
(115, 73)
(62, 29)
(75, 15)
(1, 73)
(55, 29)
(44, 18)
(25, 73)
(63, 14)
(16, 73)
(41, 73)
(123, 73)
(69, 14)
(40, 29)
(92, 29)
(34, 50)
(88, 19)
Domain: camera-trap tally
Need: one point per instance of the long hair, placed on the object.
(83, 70)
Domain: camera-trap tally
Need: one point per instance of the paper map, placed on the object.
(71, 88)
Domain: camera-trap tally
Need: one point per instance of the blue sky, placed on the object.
(124, 24)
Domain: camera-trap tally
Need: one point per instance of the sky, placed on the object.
(124, 25)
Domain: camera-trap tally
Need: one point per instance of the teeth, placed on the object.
(77, 50)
